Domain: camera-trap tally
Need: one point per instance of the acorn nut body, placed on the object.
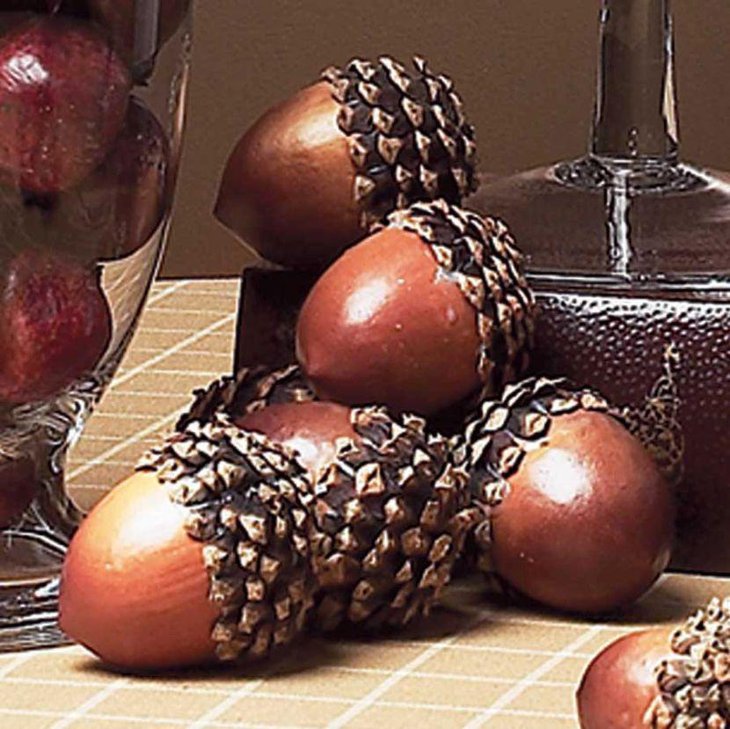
(311, 430)
(203, 555)
(661, 679)
(420, 315)
(311, 176)
(580, 517)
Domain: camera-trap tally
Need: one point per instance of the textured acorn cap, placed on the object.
(244, 498)
(251, 389)
(407, 135)
(392, 516)
(481, 257)
(693, 686)
(497, 439)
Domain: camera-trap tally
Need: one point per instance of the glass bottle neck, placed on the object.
(635, 117)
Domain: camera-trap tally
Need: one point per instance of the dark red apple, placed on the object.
(55, 324)
(18, 485)
(63, 99)
(118, 207)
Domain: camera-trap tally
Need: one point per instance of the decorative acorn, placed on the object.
(202, 555)
(392, 519)
(579, 516)
(313, 174)
(654, 680)
(311, 430)
(251, 389)
(420, 315)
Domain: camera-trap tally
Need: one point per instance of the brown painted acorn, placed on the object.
(420, 315)
(202, 555)
(313, 174)
(661, 680)
(580, 518)
(391, 517)
(311, 430)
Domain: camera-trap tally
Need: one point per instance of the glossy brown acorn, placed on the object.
(316, 171)
(134, 588)
(310, 429)
(588, 522)
(620, 684)
(381, 326)
(287, 188)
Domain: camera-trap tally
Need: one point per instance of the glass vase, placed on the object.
(91, 114)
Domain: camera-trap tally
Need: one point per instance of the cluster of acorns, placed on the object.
(319, 495)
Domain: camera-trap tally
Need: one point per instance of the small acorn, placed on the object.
(579, 516)
(310, 429)
(202, 555)
(420, 315)
(313, 174)
(392, 519)
(661, 680)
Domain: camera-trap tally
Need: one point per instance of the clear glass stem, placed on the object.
(635, 117)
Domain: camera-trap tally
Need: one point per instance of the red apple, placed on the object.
(55, 324)
(18, 486)
(117, 208)
(63, 99)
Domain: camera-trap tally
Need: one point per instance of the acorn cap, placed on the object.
(392, 516)
(251, 389)
(693, 684)
(481, 257)
(497, 439)
(407, 135)
(244, 497)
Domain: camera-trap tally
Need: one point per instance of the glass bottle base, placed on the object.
(29, 616)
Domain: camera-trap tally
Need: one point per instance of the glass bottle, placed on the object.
(629, 253)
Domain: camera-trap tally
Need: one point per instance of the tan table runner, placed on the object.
(474, 663)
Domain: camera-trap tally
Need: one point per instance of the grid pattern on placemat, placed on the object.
(184, 340)
(476, 662)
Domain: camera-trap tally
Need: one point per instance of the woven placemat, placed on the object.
(476, 662)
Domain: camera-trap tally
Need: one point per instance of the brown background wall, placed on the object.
(524, 67)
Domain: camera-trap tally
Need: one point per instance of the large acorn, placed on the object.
(392, 520)
(202, 555)
(580, 518)
(313, 174)
(420, 315)
(657, 680)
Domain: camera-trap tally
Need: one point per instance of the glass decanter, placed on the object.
(629, 253)
(91, 116)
